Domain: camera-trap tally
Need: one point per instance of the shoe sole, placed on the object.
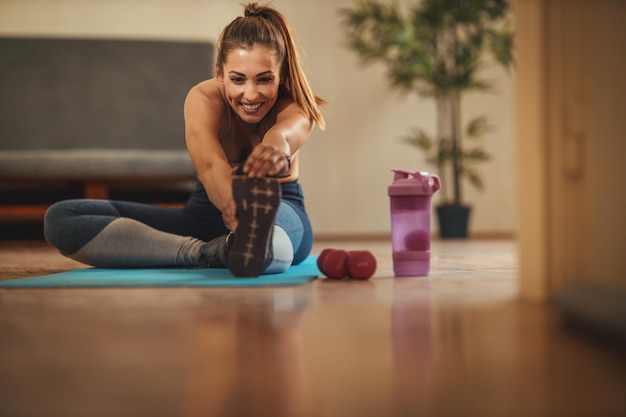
(257, 201)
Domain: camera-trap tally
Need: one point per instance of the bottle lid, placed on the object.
(413, 183)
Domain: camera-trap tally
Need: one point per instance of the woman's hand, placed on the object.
(266, 160)
(229, 215)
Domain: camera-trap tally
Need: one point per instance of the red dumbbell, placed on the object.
(338, 263)
(361, 264)
(333, 263)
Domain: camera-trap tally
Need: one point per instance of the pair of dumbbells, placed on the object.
(340, 264)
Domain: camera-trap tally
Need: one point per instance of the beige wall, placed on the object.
(346, 169)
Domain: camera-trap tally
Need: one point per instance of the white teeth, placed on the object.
(251, 106)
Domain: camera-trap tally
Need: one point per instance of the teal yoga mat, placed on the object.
(165, 277)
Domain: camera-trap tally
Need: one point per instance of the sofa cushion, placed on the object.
(96, 164)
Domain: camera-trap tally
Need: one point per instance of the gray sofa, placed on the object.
(94, 113)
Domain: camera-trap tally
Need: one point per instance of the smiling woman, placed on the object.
(244, 129)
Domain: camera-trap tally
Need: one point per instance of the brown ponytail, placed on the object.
(266, 26)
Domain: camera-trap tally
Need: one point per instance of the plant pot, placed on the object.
(453, 221)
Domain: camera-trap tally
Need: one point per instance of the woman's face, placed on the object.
(251, 78)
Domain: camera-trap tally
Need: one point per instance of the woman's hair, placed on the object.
(263, 25)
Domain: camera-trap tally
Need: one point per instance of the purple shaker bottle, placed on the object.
(410, 195)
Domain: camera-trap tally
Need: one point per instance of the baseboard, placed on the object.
(379, 236)
(351, 237)
(493, 235)
(595, 308)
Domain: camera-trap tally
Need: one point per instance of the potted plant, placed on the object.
(436, 49)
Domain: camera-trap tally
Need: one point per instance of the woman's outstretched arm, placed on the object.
(203, 113)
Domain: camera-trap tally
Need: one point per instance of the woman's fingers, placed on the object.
(229, 215)
(266, 160)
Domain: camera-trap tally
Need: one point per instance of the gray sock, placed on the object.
(127, 243)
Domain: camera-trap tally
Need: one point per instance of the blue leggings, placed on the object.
(69, 225)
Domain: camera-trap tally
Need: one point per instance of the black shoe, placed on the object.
(257, 201)
(214, 254)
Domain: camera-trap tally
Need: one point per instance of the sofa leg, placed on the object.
(96, 190)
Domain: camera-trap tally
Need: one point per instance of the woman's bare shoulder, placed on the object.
(205, 109)
(205, 101)
(209, 89)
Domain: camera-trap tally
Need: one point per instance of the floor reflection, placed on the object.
(250, 362)
(413, 345)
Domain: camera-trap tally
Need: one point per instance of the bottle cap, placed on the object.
(413, 183)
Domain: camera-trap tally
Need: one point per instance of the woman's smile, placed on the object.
(251, 108)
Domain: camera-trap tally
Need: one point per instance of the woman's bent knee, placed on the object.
(282, 252)
(70, 224)
(54, 218)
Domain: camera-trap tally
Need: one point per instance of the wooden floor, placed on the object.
(457, 343)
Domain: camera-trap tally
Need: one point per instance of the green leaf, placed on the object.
(475, 154)
(478, 126)
(501, 47)
(419, 138)
(474, 178)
